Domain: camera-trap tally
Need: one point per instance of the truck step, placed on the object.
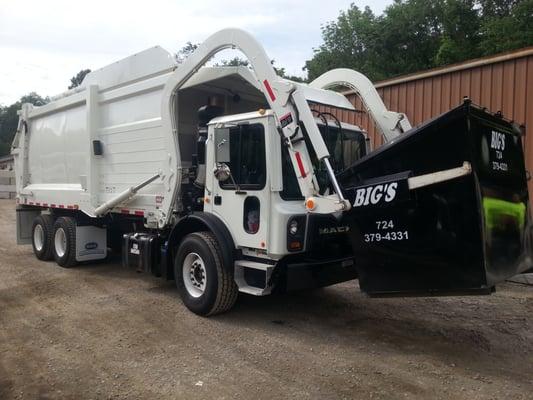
(253, 277)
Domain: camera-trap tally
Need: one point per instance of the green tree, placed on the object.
(349, 42)
(506, 25)
(237, 61)
(281, 72)
(185, 52)
(34, 98)
(413, 35)
(409, 36)
(497, 8)
(233, 62)
(77, 79)
(461, 32)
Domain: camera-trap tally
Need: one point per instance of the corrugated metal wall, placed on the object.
(500, 83)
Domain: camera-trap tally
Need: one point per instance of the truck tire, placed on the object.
(64, 242)
(41, 236)
(205, 286)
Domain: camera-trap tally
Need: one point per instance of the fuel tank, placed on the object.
(453, 231)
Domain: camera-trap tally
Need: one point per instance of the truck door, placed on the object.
(242, 201)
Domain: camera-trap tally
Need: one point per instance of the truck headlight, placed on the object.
(293, 227)
(296, 228)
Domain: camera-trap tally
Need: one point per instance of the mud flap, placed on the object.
(25, 218)
(458, 236)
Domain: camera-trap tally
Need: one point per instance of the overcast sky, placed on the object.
(43, 43)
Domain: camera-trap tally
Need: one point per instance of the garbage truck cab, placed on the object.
(253, 190)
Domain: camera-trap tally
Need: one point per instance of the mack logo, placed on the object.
(382, 193)
(91, 246)
(333, 229)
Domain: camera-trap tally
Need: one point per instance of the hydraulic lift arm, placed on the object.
(390, 123)
(286, 101)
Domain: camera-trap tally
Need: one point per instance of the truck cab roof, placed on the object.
(236, 118)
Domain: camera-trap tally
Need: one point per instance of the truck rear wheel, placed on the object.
(41, 236)
(64, 242)
(204, 285)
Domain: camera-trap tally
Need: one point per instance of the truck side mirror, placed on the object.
(222, 154)
(222, 172)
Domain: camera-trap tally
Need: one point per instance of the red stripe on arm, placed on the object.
(300, 164)
(269, 90)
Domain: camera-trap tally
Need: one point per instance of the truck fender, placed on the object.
(198, 222)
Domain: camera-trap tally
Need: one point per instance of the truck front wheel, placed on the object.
(204, 285)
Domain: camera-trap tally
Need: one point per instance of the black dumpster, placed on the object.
(458, 236)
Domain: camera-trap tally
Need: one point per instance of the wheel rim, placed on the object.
(60, 242)
(194, 274)
(38, 237)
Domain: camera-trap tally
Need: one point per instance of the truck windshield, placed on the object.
(345, 147)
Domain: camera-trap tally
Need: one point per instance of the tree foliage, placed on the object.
(508, 25)
(77, 79)
(185, 52)
(233, 62)
(413, 35)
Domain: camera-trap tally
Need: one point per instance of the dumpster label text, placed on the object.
(375, 194)
(497, 143)
(380, 192)
(386, 230)
(386, 236)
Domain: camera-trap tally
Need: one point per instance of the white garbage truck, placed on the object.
(230, 179)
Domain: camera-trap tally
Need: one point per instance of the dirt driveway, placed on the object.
(101, 331)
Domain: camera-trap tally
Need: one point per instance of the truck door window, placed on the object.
(247, 157)
(251, 214)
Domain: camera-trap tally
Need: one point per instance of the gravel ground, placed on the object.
(100, 331)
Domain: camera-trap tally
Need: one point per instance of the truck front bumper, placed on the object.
(309, 273)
